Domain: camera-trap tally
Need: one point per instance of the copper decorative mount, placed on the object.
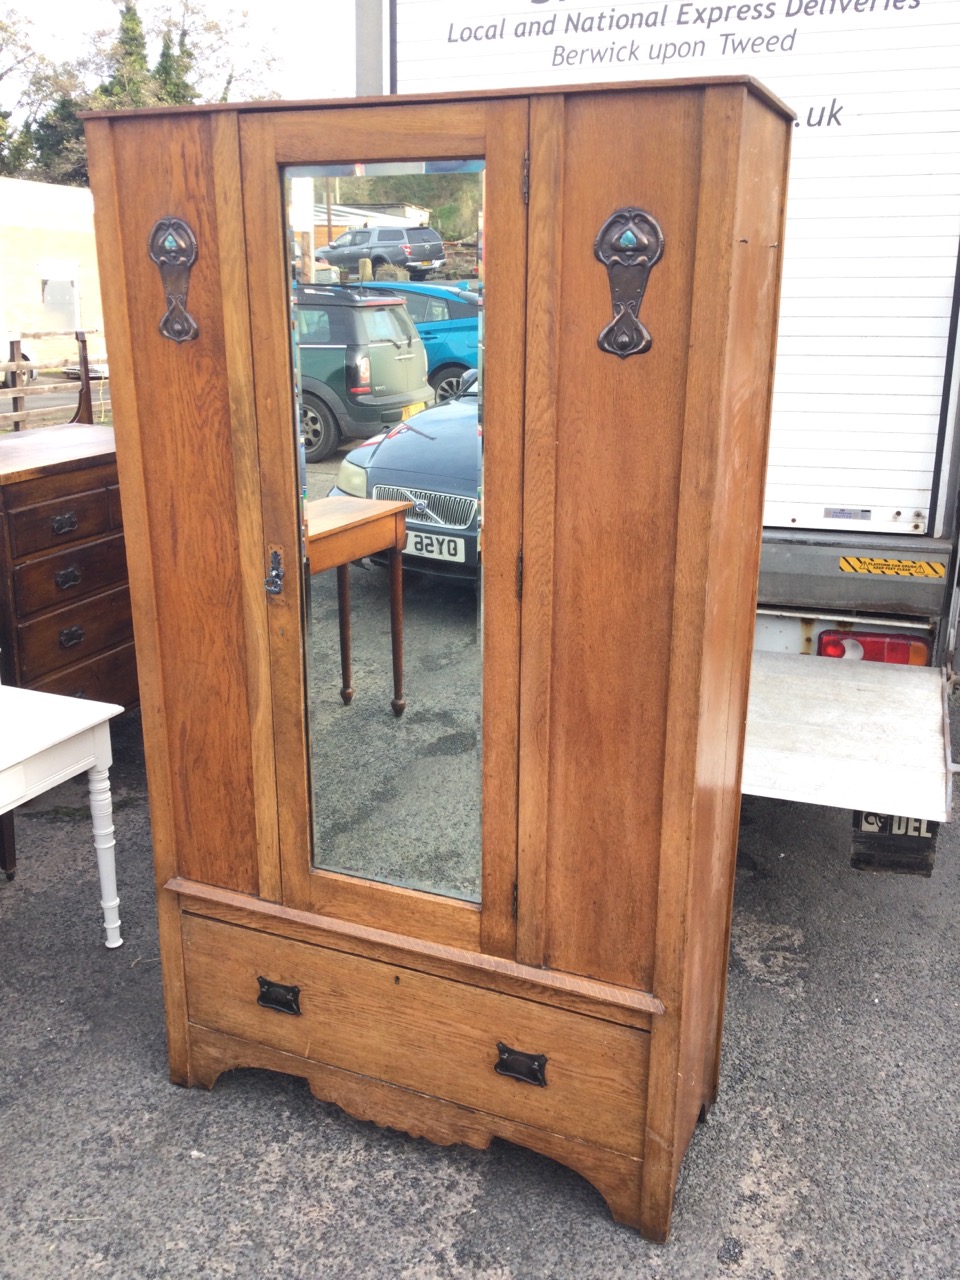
(173, 247)
(628, 244)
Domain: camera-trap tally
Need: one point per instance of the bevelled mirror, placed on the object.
(386, 308)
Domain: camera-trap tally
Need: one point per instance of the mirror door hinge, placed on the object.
(526, 177)
(513, 908)
(519, 575)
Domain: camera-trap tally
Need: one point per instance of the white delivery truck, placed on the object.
(857, 606)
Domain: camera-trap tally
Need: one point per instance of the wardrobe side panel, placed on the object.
(725, 421)
(742, 424)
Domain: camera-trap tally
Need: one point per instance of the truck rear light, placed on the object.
(873, 646)
(361, 376)
(406, 249)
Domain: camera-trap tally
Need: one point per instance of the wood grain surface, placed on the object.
(621, 504)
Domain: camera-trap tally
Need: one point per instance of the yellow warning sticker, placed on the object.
(893, 568)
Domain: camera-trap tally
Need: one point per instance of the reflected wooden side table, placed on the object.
(343, 529)
(48, 738)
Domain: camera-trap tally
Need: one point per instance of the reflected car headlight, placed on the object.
(352, 479)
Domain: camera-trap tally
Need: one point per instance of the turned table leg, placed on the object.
(8, 847)
(101, 811)
(343, 609)
(398, 702)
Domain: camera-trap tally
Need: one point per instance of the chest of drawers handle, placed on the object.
(67, 577)
(278, 996)
(65, 523)
(71, 636)
(531, 1068)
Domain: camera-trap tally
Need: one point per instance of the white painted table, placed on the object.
(44, 740)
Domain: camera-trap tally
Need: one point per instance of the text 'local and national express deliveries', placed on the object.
(688, 20)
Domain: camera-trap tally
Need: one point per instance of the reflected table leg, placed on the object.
(398, 702)
(8, 848)
(343, 612)
(342, 530)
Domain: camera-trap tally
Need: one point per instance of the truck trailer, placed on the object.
(857, 614)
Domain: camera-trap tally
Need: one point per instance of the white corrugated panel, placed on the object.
(873, 214)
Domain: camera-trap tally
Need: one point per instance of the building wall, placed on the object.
(49, 283)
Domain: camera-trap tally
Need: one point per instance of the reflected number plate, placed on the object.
(435, 547)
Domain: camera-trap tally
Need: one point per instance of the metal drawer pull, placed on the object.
(71, 636)
(275, 995)
(65, 523)
(67, 577)
(531, 1068)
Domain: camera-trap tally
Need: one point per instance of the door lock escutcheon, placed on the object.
(273, 582)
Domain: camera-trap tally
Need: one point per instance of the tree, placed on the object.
(51, 146)
(41, 133)
(17, 63)
(17, 57)
(56, 147)
(130, 83)
(452, 198)
(224, 66)
(172, 70)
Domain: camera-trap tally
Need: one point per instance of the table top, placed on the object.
(330, 515)
(27, 454)
(30, 722)
(342, 529)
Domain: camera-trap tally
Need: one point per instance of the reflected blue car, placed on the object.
(448, 321)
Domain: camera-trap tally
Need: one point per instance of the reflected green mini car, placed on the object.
(362, 365)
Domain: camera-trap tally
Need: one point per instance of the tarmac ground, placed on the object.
(832, 1151)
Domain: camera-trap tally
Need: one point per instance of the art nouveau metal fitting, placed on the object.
(628, 244)
(173, 247)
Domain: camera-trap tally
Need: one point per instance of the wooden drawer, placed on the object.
(56, 480)
(63, 636)
(64, 520)
(75, 571)
(109, 677)
(113, 503)
(424, 1033)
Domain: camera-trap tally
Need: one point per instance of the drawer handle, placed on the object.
(70, 637)
(65, 523)
(67, 577)
(531, 1068)
(275, 995)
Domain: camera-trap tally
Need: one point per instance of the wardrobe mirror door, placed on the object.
(386, 304)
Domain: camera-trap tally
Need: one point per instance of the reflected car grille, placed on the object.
(449, 509)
